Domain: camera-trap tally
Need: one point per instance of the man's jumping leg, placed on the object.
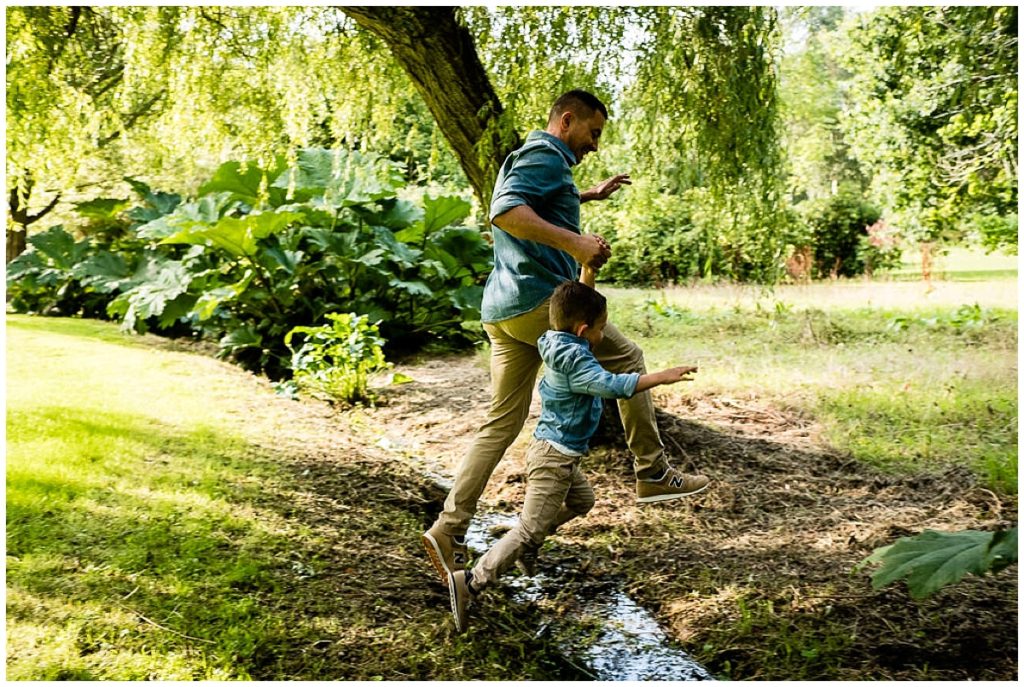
(656, 479)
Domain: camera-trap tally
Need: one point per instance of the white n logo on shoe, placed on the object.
(676, 482)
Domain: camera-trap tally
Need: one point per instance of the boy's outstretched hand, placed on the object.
(669, 376)
(678, 374)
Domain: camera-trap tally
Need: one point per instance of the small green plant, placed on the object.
(336, 360)
(932, 559)
(665, 309)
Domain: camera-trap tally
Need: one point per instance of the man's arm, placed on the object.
(523, 223)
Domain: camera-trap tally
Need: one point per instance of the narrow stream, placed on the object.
(629, 646)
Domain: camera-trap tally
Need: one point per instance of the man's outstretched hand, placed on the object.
(606, 188)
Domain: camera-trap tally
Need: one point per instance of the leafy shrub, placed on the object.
(655, 241)
(336, 360)
(63, 275)
(262, 250)
(996, 232)
(837, 224)
(932, 559)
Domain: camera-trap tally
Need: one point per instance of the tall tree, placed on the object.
(440, 57)
(933, 112)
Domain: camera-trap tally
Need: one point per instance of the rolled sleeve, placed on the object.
(588, 377)
(530, 179)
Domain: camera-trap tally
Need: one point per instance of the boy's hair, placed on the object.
(574, 303)
(580, 102)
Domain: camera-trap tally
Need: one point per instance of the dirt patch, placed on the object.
(755, 575)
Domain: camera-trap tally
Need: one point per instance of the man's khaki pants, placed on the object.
(515, 362)
(556, 492)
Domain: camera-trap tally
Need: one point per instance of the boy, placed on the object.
(571, 389)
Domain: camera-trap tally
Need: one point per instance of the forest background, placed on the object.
(763, 147)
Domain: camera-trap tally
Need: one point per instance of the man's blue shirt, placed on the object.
(571, 389)
(539, 175)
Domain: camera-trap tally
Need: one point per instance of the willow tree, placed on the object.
(691, 90)
(168, 93)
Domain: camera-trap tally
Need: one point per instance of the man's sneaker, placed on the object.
(446, 553)
(672, 485)
(462, 599)
(527, 561)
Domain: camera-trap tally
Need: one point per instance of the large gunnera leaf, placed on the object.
(934, 559)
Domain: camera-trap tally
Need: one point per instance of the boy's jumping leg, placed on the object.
(550, 474)
(514, 366)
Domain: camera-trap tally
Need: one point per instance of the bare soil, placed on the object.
(755, 577)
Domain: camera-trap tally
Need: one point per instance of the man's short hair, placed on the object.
(582, 103)
(574, 303)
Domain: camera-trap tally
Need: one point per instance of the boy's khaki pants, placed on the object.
(515, 362)
(556, 492)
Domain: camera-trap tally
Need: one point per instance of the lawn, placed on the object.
(900, 376)
(169, 517)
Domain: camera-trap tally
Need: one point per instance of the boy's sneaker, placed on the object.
(462, 599)
(527, 561)
(446, 553)
(672, 485)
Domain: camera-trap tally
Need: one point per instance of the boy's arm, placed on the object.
(588, 276)
(669, 376)
(586, 376)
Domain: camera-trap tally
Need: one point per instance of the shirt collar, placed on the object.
(569, 156)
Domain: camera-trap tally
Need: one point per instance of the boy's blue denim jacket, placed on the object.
(571, 389)
(539, 175)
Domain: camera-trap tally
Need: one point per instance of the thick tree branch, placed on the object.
(440, 57)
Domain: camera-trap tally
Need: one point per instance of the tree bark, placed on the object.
(440, 57)
(17, 239)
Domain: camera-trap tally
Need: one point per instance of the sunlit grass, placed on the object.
(162, 524)
(126, 499)
(902, 377)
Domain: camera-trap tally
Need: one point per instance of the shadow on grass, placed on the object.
(249, 565)
(757, 574)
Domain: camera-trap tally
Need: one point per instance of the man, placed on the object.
(535, 210)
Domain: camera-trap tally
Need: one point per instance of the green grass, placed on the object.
(155, 531)
(900, 377)
(958, 264)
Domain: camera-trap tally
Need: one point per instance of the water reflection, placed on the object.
(629, 644)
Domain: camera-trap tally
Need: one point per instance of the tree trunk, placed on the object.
(441, 59)
(17, 208)
(16, 243)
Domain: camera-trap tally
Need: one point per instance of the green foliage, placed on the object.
(336, 360)
(263, 250)
(838, 230)
(932, 560)
(996, 232)
(933, 113)
(45, 278)
(811, 91)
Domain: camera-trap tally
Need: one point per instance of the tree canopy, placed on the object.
(914, 106)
